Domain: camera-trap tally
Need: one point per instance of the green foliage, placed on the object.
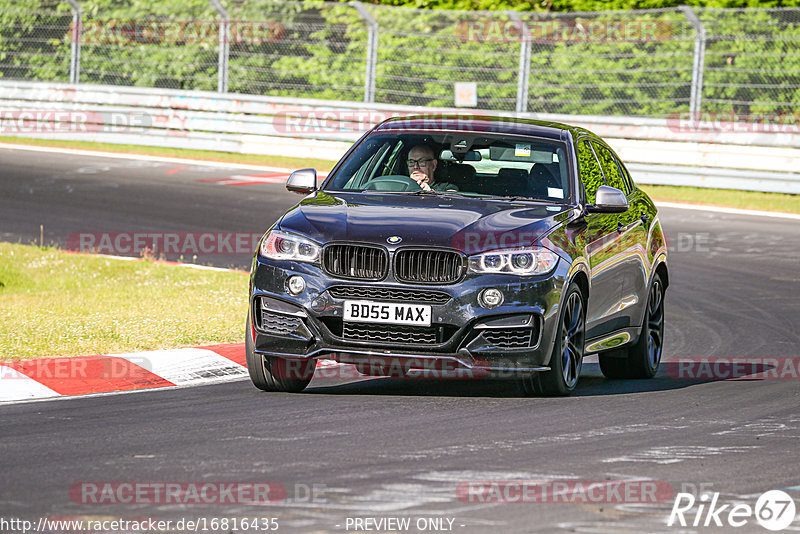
(646, 72)
(315, 50)
(752, 62)
(421, 55)
(31, 40)
(150, 44)
(318, 50)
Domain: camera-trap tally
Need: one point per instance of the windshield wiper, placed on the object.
(521, 199)
(512, 199)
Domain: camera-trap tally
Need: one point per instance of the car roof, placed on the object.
(480, 123)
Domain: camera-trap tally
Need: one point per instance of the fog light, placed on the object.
(296, 284)
(490, 298)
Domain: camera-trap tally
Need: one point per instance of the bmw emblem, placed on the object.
(395, 239)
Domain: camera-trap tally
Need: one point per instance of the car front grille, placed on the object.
(355, 261)
(389, 294)
(428, 266)
(389, 334)
(412, 335)
(509, 338)
(274, 323)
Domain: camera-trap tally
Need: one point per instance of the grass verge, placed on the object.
(204, 155)
(55, 303)
(729, 198)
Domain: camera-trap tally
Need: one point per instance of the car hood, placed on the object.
(467, 224)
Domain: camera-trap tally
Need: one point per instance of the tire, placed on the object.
(276, 374)
(614, 364)
(566, 360)
(641, 360)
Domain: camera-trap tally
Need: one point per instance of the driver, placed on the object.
(421, 166)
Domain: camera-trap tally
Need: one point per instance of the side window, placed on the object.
(367, 171)
(393, 164)
(610, 169)
(626, 175)
(589, 168)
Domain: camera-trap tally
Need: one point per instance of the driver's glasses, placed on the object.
(418, 162)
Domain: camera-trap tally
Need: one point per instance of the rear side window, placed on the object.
(626, 175)
(610, 169)
(591, 175)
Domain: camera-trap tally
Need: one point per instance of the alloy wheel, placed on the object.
(655, 323)
(572, 339)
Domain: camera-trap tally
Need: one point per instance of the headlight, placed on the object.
(521, 261)
(278, 245)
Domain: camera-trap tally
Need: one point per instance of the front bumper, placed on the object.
(517, 336)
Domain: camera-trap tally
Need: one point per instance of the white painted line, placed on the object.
(731, 211)
(187, 366)
(110, 257)
(244, 178)
(17, 386)
(189, 265)
(143, 157)
(205, 267)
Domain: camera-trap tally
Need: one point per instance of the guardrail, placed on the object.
(659, 151)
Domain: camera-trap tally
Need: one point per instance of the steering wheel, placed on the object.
(392, 182)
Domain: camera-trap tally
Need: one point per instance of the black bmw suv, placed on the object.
(525, 247)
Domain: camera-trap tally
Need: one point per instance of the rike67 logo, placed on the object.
(774, 510)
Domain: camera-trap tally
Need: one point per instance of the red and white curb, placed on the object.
(85, 375)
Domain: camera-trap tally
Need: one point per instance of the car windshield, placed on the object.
(475, 165)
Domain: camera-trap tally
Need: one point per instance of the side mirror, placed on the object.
(608, 200)
(302, 181)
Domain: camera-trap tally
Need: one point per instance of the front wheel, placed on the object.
(276, 374)
(566, 361)
(641, 360)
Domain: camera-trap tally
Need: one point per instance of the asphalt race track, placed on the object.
(384, 448)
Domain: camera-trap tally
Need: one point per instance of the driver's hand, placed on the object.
(422, 179)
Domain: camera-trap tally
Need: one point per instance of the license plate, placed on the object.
(365, 311)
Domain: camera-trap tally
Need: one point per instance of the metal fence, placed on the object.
(654, 63)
